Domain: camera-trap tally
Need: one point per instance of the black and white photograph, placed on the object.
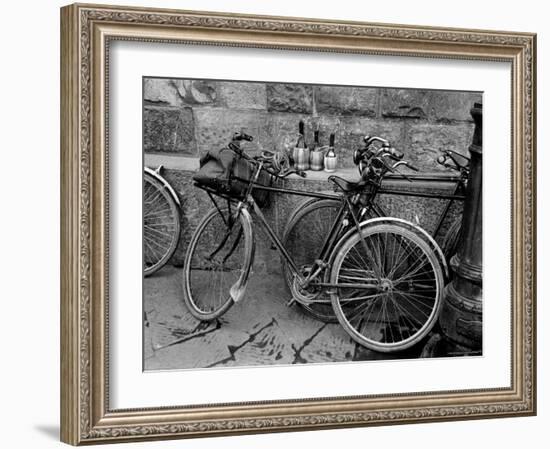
(288, 223)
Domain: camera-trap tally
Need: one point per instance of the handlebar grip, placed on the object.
(331, 140)
(371, 139)
(242, 136)
(396, 153)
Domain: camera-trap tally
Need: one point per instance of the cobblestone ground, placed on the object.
(259, 330)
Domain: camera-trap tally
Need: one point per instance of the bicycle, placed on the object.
(161, 221)
(383, 277)
(322, 212)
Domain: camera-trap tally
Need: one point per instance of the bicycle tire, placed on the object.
(414, 313)
(298, 238)
(217, 247)
(161, 225)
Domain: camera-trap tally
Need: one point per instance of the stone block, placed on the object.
(296, 98)
(179, 92)
(426, 140)
(236, 95)
(283, 129)
(215, 126)
(404, 103)
(161, 91)
(336, 100)
(435, 106)
(449, 107)
(169, 130)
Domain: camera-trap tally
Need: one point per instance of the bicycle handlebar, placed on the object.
(391, 151)
(369, 140)
(406, 164)
(375, 162)
(450, 155)
(277, 169)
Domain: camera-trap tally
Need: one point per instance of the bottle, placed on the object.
(301, 151)
(330, 157)
(317, 155)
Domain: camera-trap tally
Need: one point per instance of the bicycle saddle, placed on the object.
(343, 184)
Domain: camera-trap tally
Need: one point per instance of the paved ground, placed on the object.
(260, 330)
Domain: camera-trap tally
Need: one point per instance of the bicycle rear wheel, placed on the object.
(217, 262)
(303, 239)
(404, 305)
(161, 225)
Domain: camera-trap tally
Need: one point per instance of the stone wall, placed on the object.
(189, 117)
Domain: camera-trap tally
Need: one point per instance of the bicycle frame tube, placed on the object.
(446, 210)
(279, 245)
(440, 196)
(319, 195)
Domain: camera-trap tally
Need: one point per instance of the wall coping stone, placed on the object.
(191, 164)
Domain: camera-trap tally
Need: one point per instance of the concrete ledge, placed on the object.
(191, 164)
(171, 162)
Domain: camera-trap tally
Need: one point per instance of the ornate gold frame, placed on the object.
(86, 31)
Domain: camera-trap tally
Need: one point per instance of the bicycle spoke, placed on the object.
(417, 298)
(214, 263)
(160, 225)
(413, 304)
(403, 257)
(361, 309)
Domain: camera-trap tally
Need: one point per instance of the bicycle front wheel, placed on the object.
(406, 286)
(161, 225)
(218, 260)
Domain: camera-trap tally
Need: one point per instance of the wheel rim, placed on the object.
(215, 262)
(402, 308)
(160, 225)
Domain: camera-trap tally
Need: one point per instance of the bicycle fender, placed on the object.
(165, 183)
(415, 228)
(238, 289)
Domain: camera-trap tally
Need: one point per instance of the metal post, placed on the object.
(461, 314)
